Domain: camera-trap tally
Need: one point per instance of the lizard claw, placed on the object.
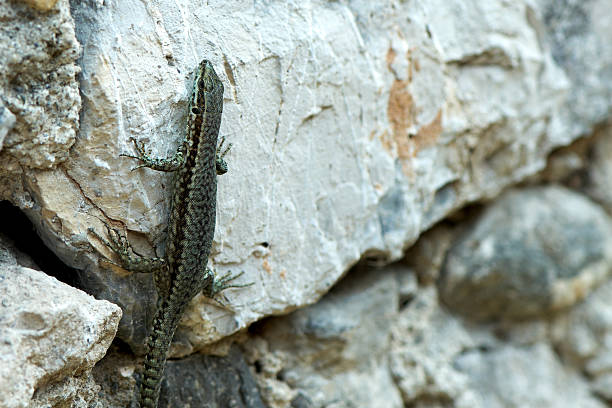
(222, 283)
(220, 163)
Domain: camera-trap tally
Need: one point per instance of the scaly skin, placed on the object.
(182, 273)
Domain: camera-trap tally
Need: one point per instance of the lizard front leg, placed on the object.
(128, 259)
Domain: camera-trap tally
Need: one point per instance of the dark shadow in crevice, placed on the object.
(18, 228)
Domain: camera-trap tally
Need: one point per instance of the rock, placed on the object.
(427, 255)
(526, 377)
(38, 73)
(440, 360)
(599, 169)
(583, 335)
(353, 132)
(399, 128)
(116, 379)
(531, 252)
(425, 341)
(51, 336)
(210, 381)
(334, 350)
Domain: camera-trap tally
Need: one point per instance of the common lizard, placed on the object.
(183, 272)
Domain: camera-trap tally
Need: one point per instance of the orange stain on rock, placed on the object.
(266, 266)
(428, 134)
(402, 114)
(400, 111)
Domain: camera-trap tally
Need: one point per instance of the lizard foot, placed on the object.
(224, 282)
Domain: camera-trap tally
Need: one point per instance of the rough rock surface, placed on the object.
(583, 338)
(51, 335)
(195, 381)
(355, 127)
(526, 376)
(356, 348)
(599, 169)
(532, 252)
(39, 94)
(334, 351)
(210, 381)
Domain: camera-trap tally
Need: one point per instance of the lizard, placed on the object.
(183, 272)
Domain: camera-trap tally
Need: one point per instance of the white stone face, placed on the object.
(50, 334)
(355, 127)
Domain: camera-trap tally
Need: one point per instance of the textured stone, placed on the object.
(50, 337)
(356, 126)
(38, 84)
(599, 169)
(7, 121)
(526, 377)
(425, 341)
(531, 252)
(584, 338)
(210, 381)
(385, 130)
(334, 352)
(438, 360)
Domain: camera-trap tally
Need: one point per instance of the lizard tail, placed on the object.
(164, 325)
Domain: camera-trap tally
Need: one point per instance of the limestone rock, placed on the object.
(440, 360)
(526, 377)
(38, 85)
(336, 349)
(355, 127)
(533, 251)
(52, 335)
(425, 341)
(210, 381)
(599, 169)
(583, 338)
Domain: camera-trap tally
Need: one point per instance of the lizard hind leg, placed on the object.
(212, 285)
(225, 282)
(220, 163)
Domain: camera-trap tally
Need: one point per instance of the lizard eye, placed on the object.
(196, 111)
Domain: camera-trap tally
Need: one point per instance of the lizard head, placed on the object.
(207, 93)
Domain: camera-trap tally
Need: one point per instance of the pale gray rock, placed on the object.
(364, 126)
(425, 341)
(74, 392)
(355, 127)
(599, 169)
(51, 335)
(440, 360)
(38, 85)
(334, 353)
(7, 121)
(525, 377)
(583, 337)
(533, 251)
(576, 33)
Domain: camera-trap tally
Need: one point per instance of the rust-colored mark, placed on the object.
(428, 134)
(391, 54)
(414, 62)
(400, 113)
(266, 266)
(386, 140)
(283, 274)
